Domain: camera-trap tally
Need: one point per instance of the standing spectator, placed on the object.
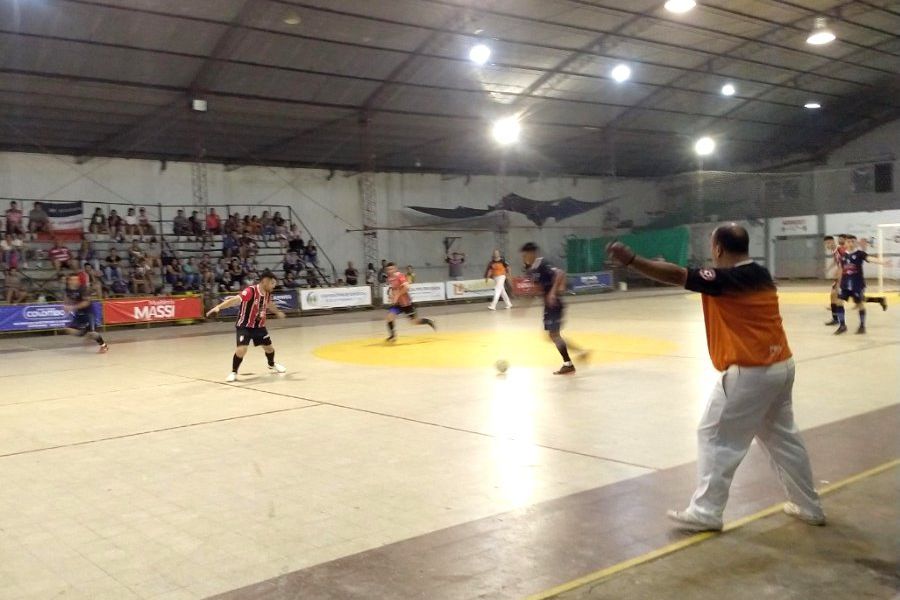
(180, 224)
(38, 220)
(191, 275)
(115, 224)
(15, 286)
(351, 274)
(311, 255)
(213, 225)
(98, 222)
(59, 256)
(410, 274)
(382, 272)
(196, 224)
(130, 226)
(14, 219)
(455, 263)
(113, 270)
(231, 244)
(371, 274)
(146, 228)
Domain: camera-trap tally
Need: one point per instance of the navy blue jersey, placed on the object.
(542, 273)
(77, 295)
(852, 263)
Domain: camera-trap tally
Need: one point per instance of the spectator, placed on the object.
(311, 279)
(382, 272)
(86, 254)
(221, 274)
(15, 286)
(130, 223)
(59, 256)
(167, 253)
(14, 219)
(191, 275)
(113, 270)
(98, 222)
(146, 228)
(180, 224)
(6, 249)
(268, 226)
(231, 244)
(279, 223)
(235, 274)
(21, 252)
(311, 255)
(213, 225)
(291, 263)
(455, 263)
(136, 254)
(38, 220)
(207, 272)
(290, 282)
(196, 224)
(351, 274)
(233, 224)
(410, 274)
(154, 255)
(295, 240)
(371, 274)
(248, 247)
(115, 224)
(340, 283)
(95, 280)
(253, 226)
(140, 278)
(174, 275)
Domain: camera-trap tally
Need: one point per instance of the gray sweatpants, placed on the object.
(750, 402)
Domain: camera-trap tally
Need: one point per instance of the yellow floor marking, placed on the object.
(608, 572)
(481, 349)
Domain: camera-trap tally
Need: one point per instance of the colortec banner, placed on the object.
(65, 217)
(588, 282)
(288, 300)
(470, 288)
(421, 292)
(27, 317)
(151, 310)
(339, 297)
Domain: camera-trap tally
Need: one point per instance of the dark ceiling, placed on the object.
(386, 84)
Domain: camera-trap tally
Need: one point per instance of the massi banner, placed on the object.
(120, 311)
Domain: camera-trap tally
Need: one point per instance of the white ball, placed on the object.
(501, 366)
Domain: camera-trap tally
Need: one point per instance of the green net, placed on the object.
(586, 255)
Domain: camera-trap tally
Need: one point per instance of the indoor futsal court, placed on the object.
(449, 299)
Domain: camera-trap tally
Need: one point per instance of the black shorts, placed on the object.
(853, 287)
(553, 317)
(83, 321)
(258, 335)
(409, 310)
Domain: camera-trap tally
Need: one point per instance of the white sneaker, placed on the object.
(688, 522)
(492, 308)
(277, 368)
(508, 306)
(795, 511)
(232, 377)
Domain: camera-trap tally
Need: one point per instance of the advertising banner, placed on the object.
(287, 301)
(421, 292)
(338, 297)
(31, 317)
(524, 286)
(805, 225)
(590, 282)
(470, 288)
(119, 311)
(65, 218)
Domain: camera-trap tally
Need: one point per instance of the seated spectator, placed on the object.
(268, 226)
(196, 224)
(246, 229)
(166, 253)
(311, 254)
(232, 224)
(371, 274)
(291, 263)
(16, 290)
(140, 278)
(248, 248)
(221, 274)
(113, 270)
(154, 254)
(98, 222)
(136, 254)
(87, 254)
(144, 225)
(290, 282)
(235, 274)
(255, 226)
(59, 256)
(231, 244)
(279, 223)
(38, 220)
(294, 240)
(115, 225)
(6, 248)
(180, 224)
(174, 275)
(130, 223)
(207, 272)
(351, 274)
(213, 225)
(95, 280)
(410, 274)
(191, 274)
(14, 219)
(312, 279)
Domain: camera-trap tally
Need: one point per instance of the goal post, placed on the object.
(888, 240)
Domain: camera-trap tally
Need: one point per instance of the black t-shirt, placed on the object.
(749, 277)
(543, 273)
(352, 276)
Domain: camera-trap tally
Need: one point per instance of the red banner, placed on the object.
(524, 286)
(151, 310)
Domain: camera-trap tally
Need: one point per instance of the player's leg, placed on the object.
(498, 285)
(860, 301)
(243, 342)
(269, 350)
(834, 305)
(781, 440)
(389, 319)
(843, 294)
(414, 317)
(503, 292)
(877, 300)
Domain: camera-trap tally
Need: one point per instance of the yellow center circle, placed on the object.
(484, 348)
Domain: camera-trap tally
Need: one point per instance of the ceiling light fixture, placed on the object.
(680, 6)
(812, 105)
(821, 34)
(506, 131)
(291, 19)
(705, 146)
(479, 54)
(728, 90)
(621, 73)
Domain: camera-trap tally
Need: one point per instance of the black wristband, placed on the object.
(633, 256)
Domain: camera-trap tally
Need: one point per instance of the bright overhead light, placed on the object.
(812, 105)
(479, 54)
(506, 131)
(621, 73)
(728, 90)
(705, 146)
(291, 19)
(680, 6)
(820, 34)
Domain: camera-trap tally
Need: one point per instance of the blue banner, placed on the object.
(588, 282)
(34, 317)
(288, 300)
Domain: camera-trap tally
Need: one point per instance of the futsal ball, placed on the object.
(501, 365)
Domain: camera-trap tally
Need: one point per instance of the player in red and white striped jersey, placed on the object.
(255, 303)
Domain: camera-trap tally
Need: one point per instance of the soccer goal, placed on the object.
(887, 239)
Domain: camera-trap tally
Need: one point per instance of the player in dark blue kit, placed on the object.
(853, 284)
(553, 282)
(78, 302)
